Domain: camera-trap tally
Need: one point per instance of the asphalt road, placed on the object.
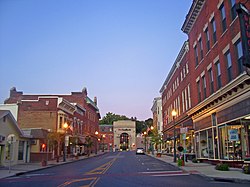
(122, 169)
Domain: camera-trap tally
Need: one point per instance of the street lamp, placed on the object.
(103, 136)
(65, 126)
(145, 133)
(174, 113)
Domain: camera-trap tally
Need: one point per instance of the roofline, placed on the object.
(192, 15)
(183, 51)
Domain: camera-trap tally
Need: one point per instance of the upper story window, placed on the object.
(239, 52)
(199, 90)
(233, 9)
(223, 17)
(218, 74)
(208, 39)
(204, 87)
(229, 66)
(196, 55)
(211, 80)
(201, 48)
(214, 30)
(187, 69)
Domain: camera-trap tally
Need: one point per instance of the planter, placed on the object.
(44, 163)
(158, 154)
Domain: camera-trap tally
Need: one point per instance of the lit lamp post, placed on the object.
(103, 136)
(66, 141)
(96, 133)
(174, 113)
(145, 133)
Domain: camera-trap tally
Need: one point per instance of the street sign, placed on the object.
(183, 130)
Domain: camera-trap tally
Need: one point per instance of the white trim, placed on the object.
(199, 37)
(219, 4)
(195, 43)
(197, 79)
(205, 27)
(216, 59)
(203, 73)
(211, 17)
(209, 66)
(226, 49)
(236, 38)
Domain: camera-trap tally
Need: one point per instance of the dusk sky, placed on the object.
(120, 50)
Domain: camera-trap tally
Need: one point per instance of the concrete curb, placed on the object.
(51, 165)
(211, 178)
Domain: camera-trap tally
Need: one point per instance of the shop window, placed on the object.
(20, 150)
(203, 145)
(210, 144)
(231, 141)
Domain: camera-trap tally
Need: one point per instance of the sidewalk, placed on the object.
(27, 167)
(208, 170)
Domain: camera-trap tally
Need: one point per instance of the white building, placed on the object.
(124, 135)
(157, 114)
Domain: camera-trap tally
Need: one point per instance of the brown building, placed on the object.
(106, 137)
(51, 112)
(219, 83)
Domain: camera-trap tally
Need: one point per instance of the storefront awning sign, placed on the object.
(233, 135)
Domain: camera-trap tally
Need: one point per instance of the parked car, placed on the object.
(140, 151)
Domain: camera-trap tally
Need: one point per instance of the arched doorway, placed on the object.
(124, 141)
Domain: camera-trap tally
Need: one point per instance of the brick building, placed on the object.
(51, 112)
(106, 137)
(218, 83)
(176, 95)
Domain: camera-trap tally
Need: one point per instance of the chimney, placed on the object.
(95, 100)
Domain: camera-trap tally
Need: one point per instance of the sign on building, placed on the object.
(233, 135)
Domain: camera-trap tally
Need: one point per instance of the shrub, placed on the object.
(194, 160)
(179, 162)
(246, 168)
(222, 167)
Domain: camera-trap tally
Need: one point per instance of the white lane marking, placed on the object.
(170, 175)
(160, 172)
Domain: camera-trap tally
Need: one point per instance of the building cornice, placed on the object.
(183, 51)
(226, 93)
(192, 15)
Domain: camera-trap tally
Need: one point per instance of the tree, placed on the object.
(155, 137)
(140, 127)
(110, 117)
(55, 139)
(88, 143)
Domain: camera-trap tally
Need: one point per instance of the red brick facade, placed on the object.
(218, 82)
(52, 111)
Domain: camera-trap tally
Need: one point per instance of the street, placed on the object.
(113, 169)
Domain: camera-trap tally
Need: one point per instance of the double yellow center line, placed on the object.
(93, 180)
